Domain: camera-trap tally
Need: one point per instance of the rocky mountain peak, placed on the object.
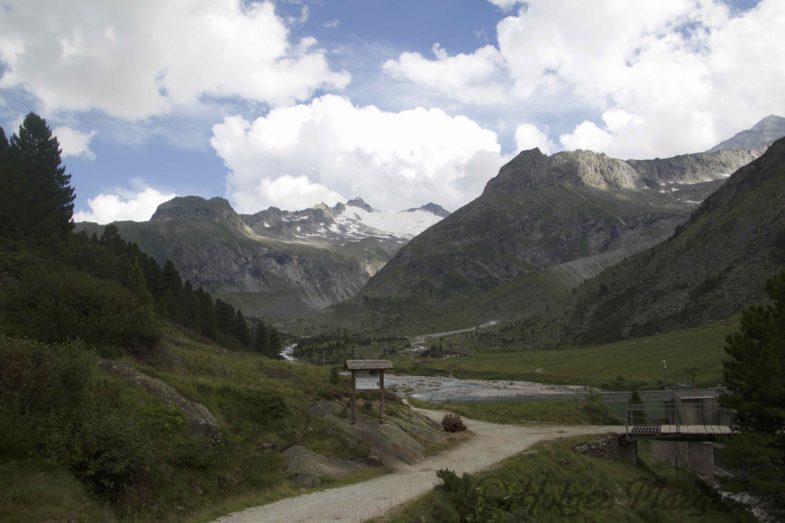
(759, 136)
(190, 207)
(358, 202)
(432, 208)
(595, 170)
(532, 169)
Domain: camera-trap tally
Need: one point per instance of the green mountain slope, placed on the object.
(541, 227)
(714, 264)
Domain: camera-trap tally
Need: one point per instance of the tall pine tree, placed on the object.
(755, 377)
(42, 200)
(7, 181)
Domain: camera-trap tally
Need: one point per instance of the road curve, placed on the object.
(361, 501)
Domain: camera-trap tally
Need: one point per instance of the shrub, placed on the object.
(55, 305)
(47, 394)
(335, 378)
(453, 423)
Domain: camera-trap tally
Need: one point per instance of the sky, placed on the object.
(289, 103)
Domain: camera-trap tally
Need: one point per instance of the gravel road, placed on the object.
(362, 501)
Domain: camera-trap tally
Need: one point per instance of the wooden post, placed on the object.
(381, 396)
(354, 403)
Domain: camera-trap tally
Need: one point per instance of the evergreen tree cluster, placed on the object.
(55, 285)
(161, 287)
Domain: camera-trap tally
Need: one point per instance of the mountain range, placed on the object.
(541, 227)
(525, 251)
(275, 262)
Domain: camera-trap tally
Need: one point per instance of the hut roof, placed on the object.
(367, 364)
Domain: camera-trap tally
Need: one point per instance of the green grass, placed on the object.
(562, 412)
(32, 490)
(695, 354)
(263, 406)
(552, 483)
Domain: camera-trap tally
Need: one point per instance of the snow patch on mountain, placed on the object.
(404, 224)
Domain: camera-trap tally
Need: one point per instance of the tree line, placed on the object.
(56, 285)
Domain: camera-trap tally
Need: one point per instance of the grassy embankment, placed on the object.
(693, 355)
(592, 412)
(552, 483)
(111, 451)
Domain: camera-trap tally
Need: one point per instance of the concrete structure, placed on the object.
(683, 430)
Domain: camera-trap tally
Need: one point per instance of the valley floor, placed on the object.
(362, 501)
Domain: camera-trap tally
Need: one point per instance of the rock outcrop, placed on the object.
(200, 419)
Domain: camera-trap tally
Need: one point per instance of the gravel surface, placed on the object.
(453, 389)
(362, 501)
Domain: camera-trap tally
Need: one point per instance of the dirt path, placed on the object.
(362, 501)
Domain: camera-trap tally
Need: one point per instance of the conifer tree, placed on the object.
(7, 180)
(138, 286)
(207, 319)
(755, 378)
(755, 374)
(261, 341)
(241, 329)
(274, 348)
(42, 199)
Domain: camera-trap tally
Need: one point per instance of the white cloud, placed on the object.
(469, 78)
(73, 142)
(529, 136)
(289, 192)
(329, 150)
(141, 58)
(505, 5)
(653, 78)
(122, 205)
(588, 136)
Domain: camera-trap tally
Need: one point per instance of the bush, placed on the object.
(55, 305)
(46, 394)
(453, 423)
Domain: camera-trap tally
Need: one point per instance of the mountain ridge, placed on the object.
(759, 136)
(540, 212)
(274, 262)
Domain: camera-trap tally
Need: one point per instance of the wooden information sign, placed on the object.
(367, 375)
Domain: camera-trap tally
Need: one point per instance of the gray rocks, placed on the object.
(607, 448)
(305, 467)
(200, 418)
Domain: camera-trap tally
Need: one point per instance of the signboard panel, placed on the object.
(366, 380)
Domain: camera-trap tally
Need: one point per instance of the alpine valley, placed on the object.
(276, 263)
(541, 228)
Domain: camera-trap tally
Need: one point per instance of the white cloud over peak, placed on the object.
(138, 59)
(652, 78)
(122, 204)
(329, 149)
(74, 142)
(529, 136)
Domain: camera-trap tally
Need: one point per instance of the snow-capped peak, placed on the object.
(353, 220)
(404, 224)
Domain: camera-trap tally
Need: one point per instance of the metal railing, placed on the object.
(643, 418)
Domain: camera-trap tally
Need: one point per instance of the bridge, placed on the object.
(683, 430)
